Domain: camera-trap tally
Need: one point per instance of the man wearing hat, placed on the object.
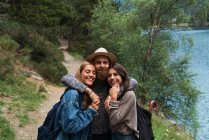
(102, 61)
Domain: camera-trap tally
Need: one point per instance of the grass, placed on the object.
(22, 96)
(6, 132)
(164, 130)
(23, 118)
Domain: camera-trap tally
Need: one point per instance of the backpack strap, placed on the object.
(123, 93)
(68, 88)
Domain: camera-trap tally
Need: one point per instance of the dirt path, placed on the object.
(71, 63)
(29, 132)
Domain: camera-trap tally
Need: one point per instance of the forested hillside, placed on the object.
(136, 31)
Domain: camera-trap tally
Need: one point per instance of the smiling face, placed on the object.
(88, 75)
(101, 64)
(113, 77)
(117, 75)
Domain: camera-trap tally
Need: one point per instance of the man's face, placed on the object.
(101, 64)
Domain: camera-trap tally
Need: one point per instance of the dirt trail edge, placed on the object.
(29, 131)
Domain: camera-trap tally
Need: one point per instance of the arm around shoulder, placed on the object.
(71, 81)
(133, 83)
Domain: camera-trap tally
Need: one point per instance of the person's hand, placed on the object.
(95, 104)
(95, 100)
(94, 97)
(91, 94)
(106, 103)
(114, 91)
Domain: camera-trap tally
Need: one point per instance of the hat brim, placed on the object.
(110, 56)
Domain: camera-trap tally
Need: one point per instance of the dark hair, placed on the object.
(124, 75)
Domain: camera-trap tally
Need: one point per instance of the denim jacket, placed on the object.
(74, 121)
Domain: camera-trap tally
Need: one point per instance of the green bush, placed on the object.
(52, 70)
(52, 33)
(42, 50)
(13, 29)
(6, 67)
(46, 56)
(7, 44)
(26, 57)
(78, 48)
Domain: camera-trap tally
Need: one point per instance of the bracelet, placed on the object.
(90, 92)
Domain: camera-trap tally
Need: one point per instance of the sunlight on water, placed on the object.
(200, 66)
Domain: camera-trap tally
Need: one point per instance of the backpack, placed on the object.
(46, 131)
(144, 122)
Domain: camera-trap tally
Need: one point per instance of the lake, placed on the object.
(199, 65)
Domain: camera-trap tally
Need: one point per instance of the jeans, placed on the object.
(119, 136)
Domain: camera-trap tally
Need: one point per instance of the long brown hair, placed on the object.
(86, 99)
(124, 75)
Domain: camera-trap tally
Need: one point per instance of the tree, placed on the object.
(199, 13)
(42, 13)
(79, 33)
(50, 18)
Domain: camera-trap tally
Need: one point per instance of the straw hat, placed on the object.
(102, 52)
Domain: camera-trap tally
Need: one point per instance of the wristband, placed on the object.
(90, 92)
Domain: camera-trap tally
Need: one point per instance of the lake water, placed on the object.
(200, 66)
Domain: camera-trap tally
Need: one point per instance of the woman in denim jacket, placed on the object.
(76, 110)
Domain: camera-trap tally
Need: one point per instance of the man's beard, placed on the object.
(102, 74)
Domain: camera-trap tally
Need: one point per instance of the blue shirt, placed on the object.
(74, 121)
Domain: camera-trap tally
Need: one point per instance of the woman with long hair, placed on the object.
(77, 110)
(121, 105)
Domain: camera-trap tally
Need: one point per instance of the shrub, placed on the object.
(7, 44)
(42, 50)
(47, 58)
(6, 67)
(36, 48)
(12, 28)
(52, 70)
